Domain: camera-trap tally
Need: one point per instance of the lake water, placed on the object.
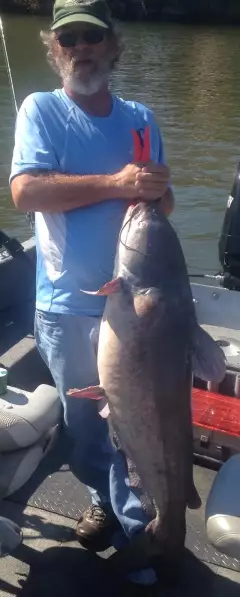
(190, 76)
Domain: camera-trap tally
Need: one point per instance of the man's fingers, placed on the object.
(156, 168)
(153, 177)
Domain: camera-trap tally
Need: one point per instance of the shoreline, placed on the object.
(142, 11)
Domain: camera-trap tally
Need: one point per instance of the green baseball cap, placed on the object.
(95, 12)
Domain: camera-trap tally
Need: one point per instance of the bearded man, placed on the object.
(73, 165)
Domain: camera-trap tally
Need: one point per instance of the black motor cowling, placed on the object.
(229, 242)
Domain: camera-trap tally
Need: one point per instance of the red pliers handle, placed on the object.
(141, 146)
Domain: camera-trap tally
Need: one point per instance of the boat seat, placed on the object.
(26, 416)
(222, 517)
(16, 468)
(10, 536)
(29, 422)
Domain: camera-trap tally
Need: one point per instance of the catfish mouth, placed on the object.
(135, 220)
(138, 249)
(136, 209)
(144, 215)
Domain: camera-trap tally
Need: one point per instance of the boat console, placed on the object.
(216, 407)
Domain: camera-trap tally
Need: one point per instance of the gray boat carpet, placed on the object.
(54, 488)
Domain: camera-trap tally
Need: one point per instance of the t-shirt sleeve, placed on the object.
(33, 148)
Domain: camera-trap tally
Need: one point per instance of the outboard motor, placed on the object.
(229, 242)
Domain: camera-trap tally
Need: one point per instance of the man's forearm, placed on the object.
(53, 192)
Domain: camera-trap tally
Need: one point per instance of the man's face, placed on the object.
(84, 55)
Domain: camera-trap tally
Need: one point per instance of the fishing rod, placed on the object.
(144, 7)
(209, 276)
(226, 279)
(8, 66)
(29, 215)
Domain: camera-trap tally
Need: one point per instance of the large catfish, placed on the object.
(149, 345)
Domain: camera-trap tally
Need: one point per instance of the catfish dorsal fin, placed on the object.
(108, 288)
(92, 392)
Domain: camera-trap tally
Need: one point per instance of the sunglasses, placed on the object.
(90, 37)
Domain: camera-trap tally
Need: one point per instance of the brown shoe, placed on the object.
(95, 529)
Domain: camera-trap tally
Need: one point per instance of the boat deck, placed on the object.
(50, 562)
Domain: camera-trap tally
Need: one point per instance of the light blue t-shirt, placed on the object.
(76, 249)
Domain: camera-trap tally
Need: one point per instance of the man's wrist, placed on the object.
(116, 187)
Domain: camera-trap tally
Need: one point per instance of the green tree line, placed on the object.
(26, 6)
(218, 10)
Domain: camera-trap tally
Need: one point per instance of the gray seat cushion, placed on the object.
(17, 467)
(10, 536)
(223, 509)
(26, 416)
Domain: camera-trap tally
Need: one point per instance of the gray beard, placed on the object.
(90, 88)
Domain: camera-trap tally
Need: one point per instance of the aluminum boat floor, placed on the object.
(54, 488)
(53, 491)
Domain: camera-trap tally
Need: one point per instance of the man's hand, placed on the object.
(146, 183)
(152, 181)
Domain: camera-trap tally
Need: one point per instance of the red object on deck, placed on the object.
(218, 415)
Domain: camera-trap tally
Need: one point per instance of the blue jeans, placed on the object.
(68, 345)
(127, 507)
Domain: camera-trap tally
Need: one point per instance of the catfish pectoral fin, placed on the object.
(208, 358)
